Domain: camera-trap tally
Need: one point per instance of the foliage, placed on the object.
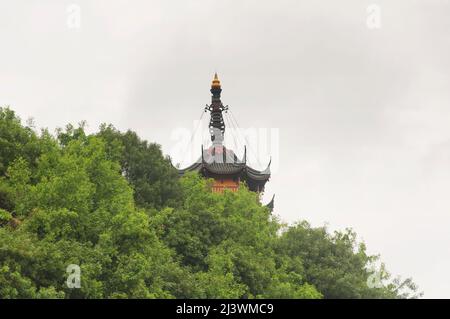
(114, 205)
(337, 264)
(152, 176)
(16, 140)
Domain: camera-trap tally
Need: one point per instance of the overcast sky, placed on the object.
(362, 112)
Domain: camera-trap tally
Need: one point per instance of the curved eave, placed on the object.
(271, 204)
(224, 168)
(214, 168)
(257, 175)
(192, 168)
(231, 168)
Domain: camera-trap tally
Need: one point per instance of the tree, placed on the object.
(16, 140)
(79, 210)
(152, 176)
(337, 264)
(114, 205)
(231, 237)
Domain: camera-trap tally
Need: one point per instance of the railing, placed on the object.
(220, 189)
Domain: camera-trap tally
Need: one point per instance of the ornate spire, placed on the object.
(216, 124)
(216, 82)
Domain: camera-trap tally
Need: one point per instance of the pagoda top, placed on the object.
(218, 161)
(215, 82)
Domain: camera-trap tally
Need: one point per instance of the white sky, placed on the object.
(363, 114)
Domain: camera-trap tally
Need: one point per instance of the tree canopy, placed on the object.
(113, 204)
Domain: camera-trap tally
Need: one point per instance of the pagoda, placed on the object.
(220, 163)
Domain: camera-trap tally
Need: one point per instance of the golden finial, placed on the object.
(215, 82)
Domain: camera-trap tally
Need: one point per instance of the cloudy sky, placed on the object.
(362, 109)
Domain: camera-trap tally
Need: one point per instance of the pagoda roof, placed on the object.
(271, 204)
(218, 160)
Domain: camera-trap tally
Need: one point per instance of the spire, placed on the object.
(216, 124)
(216, 82)
(216, 89)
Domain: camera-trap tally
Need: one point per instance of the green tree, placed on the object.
(16, 140)
(337, 264)
(114, 205)
(152, 176)
(80, 210)
(230, 237)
